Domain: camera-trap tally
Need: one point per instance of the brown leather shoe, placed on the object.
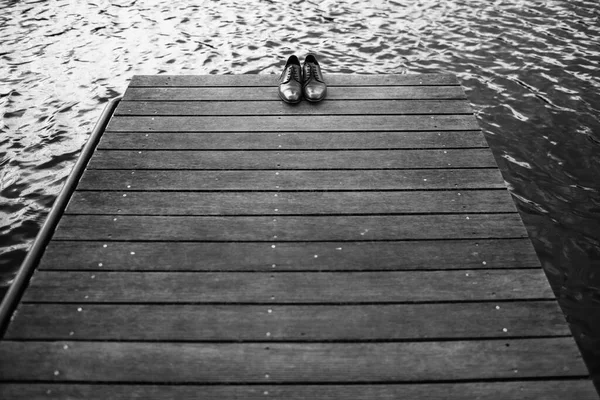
(290, 85)
(313, 83)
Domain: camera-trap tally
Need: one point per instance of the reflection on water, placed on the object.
(530, 69)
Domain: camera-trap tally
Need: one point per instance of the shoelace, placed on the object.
(291, 71)
(313, 72)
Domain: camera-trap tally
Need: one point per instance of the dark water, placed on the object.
(530, 68)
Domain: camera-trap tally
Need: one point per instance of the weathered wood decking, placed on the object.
(224, 245)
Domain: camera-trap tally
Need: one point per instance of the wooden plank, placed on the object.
(272, 80)
(580, 389)
(338, 292)
(290, 203)
(418, 179)
(270, 93)
(277, 107)
(293, 123)
(343, 159)
(174, 256)
(287, 323)
(290, 141)
(290, 362)
(288, 228)
(286, 287)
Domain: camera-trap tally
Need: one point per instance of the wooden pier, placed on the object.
(222, 244)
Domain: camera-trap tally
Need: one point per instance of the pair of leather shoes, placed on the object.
(307, 80)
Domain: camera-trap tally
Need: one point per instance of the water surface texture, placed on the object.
(530, 68)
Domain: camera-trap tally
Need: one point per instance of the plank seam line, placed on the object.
(472, 131)
(280, 304)
(469, 240)
(382, 147)
(54, 382)
(455, 189)
(286, 116)
(268, 114)
(350, 214)
(280, 271)
(290, 272)
(463, 101)
(274, 86)
(286, 341)
(137, 168)
(306, 150)
(281, 214)
(148, 100)
(264, 383)
(286, 133)
(276, 170)
(300, 132)
(108, 148)
(108, 240)
(296, 304)
(328, 150)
